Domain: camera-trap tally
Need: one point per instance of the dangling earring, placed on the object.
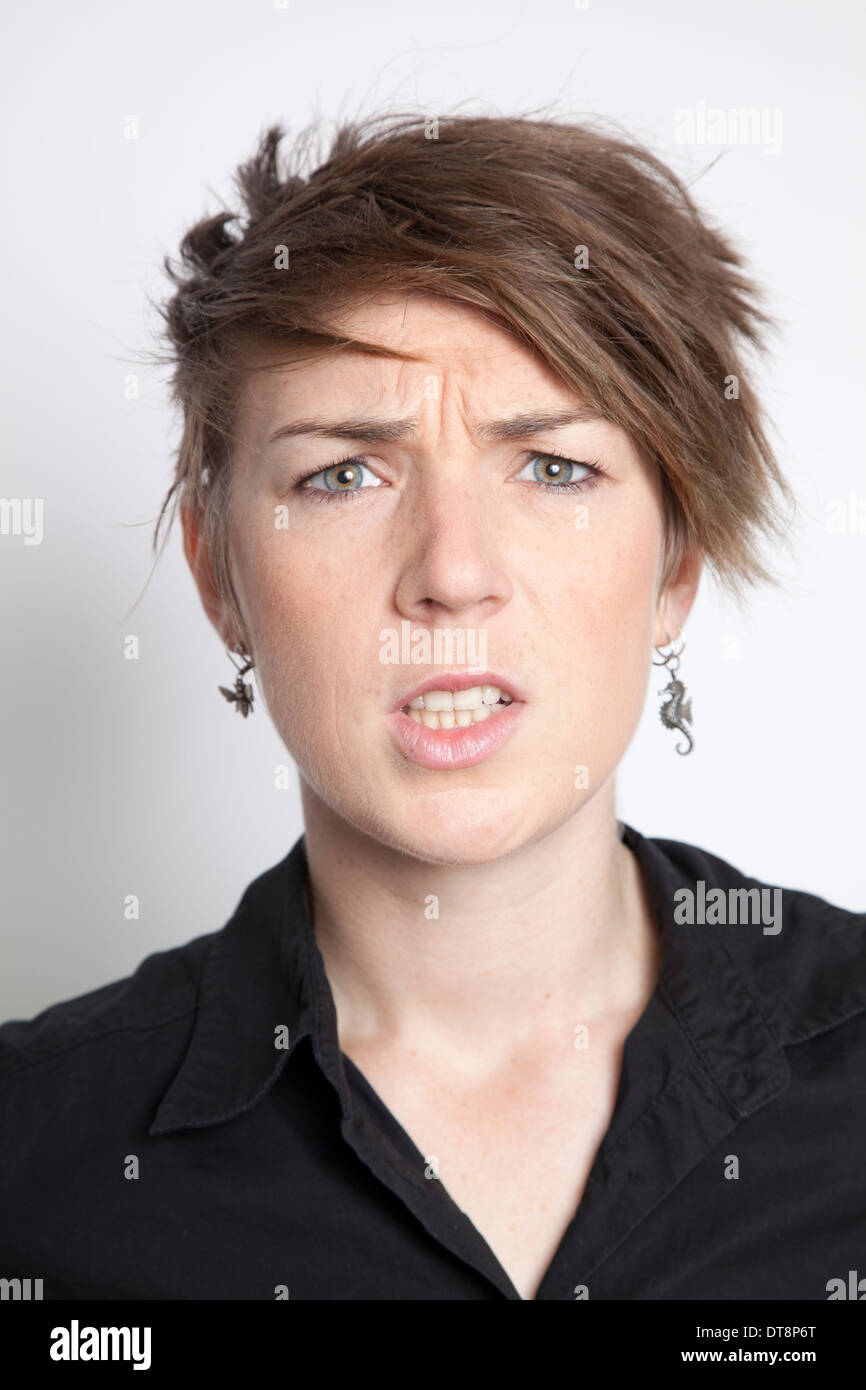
(675, 711)
(242, 695)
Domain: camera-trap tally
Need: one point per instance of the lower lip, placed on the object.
(454, 748)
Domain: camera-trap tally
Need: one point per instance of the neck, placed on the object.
(523, 950)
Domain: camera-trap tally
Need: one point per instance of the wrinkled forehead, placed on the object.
(408, 355)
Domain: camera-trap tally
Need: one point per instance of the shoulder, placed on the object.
(804, 956)
(159, 996)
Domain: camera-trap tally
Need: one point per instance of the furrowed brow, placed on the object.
(372, 431)
(375, 431)
(536, 422)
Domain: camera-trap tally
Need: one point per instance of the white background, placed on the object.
(125, 777)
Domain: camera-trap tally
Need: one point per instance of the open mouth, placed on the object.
(446, 724)
(457, 709)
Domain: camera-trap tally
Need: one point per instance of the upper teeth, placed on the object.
(475, 698)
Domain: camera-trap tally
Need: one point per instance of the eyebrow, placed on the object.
(382, 430)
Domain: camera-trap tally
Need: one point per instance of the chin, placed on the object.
(457, 827)
(459, 851)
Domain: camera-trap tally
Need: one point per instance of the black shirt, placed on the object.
(159, 1140)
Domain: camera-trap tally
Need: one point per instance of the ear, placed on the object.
(195, 548)
(675, 602)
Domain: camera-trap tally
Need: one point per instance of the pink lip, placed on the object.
(450, 749)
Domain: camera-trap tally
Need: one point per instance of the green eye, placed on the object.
(341, 477)
(555, 471)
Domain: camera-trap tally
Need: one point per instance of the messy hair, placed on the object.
(581, 243)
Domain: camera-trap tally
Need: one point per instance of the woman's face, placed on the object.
(454, 526)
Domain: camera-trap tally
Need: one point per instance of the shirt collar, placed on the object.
(264, 987)
(256, 1001)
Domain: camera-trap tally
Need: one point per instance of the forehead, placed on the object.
(413, 320)
(455, 346)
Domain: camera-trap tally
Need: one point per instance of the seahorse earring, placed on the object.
(675, 712)
(242, 695)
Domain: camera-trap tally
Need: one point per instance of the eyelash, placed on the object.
(581, 485)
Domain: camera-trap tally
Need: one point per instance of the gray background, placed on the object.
(124, 777)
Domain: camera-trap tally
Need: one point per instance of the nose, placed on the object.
(454, 563)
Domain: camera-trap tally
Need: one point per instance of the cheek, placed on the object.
(602, 578)
(603, 613)
(297, 614)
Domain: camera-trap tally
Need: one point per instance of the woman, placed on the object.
(465, 415)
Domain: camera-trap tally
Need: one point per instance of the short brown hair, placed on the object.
(647, 322)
